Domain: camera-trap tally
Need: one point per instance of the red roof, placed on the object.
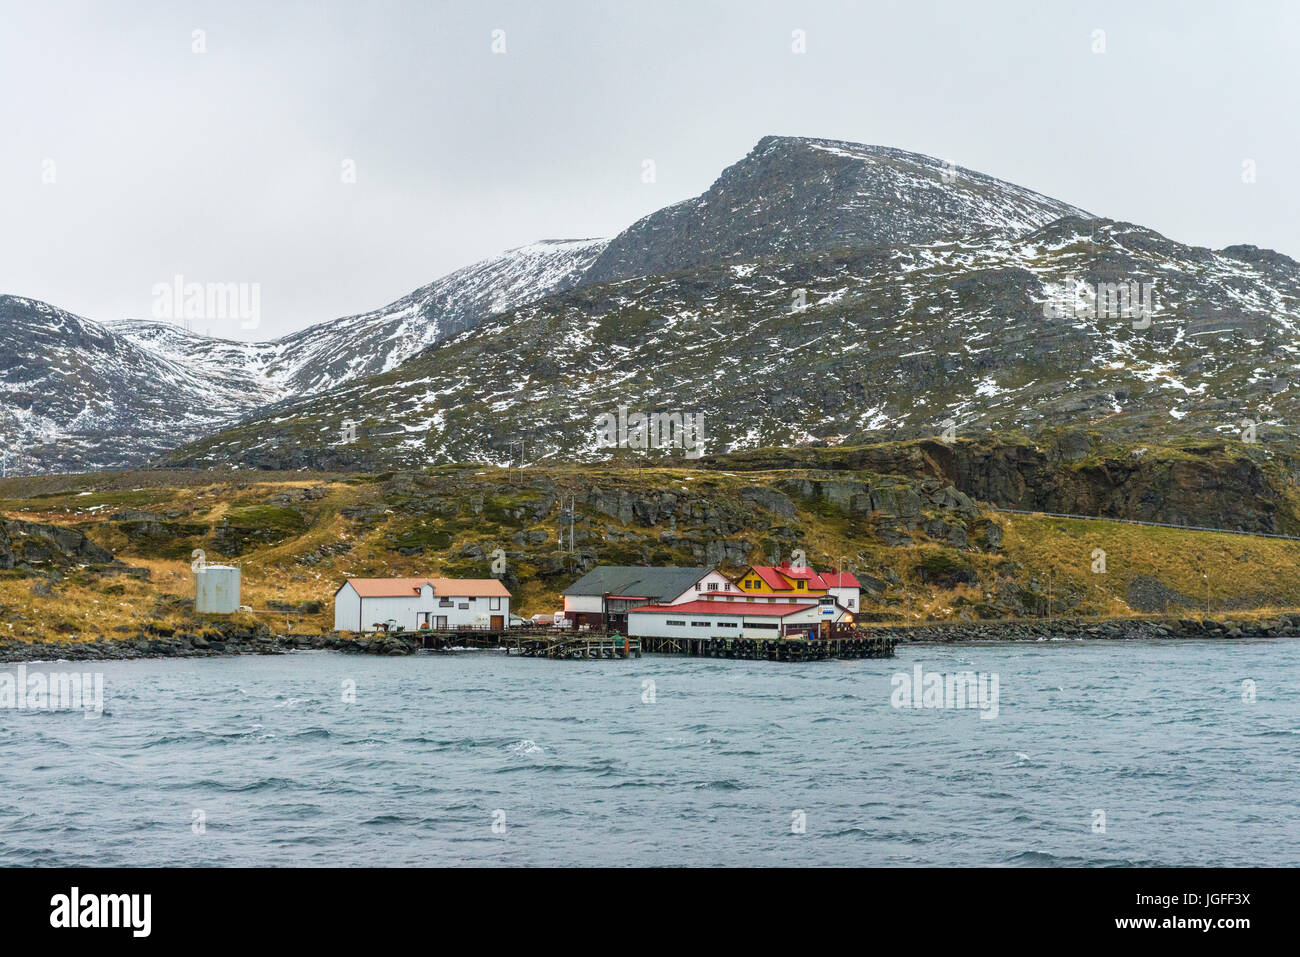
(779, 577)
(840, 580)
(727, 608)
(771, 577)
(443, 587)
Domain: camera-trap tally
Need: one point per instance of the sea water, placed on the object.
(1099, 753)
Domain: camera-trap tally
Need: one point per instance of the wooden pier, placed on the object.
(579, 646)
(776, 649)
(531, 643)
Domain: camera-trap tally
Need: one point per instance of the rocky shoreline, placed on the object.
(224, 642)
(1113, 629)
(230, 640)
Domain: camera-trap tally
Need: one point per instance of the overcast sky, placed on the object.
(226, 165)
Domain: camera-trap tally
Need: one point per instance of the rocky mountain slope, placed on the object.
(792, 196)
(952, 336)
(818, 292)
(78, 394)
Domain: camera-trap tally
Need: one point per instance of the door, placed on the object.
(441, 621)
(498, 623)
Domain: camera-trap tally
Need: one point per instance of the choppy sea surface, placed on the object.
(1101, 753)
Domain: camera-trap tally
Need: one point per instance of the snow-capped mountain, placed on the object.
(78, 394)
(75, 394)
(954, 336)
(791, 196)
(332, 353)
(818, 291)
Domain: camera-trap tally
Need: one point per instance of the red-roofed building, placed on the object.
(786, 582)
(736, 619)
(414, 604)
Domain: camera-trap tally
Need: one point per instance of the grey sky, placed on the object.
(225, 166)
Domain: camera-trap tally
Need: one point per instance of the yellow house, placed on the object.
(781, 581)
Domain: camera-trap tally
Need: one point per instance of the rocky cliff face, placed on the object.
(38, 546)
(1212, 484)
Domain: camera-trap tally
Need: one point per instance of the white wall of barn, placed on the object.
(347, 609)
(704, 624)
(701, 625)
(407, 611)
(655, 625)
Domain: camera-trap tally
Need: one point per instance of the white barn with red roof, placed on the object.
(419, 604)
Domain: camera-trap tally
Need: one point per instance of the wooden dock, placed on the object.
(776, 649)
(531, 643)
(578, 646)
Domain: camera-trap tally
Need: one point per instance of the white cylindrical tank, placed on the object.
(216, 589)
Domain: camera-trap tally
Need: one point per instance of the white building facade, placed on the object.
(732, 619)
(421, 604)
(714, 586)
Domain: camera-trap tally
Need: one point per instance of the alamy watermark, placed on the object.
(56, 691)
(653, 430)
(961, 690)
(208, 301)
(1133, 301)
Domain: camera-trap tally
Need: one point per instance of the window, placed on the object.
(699, 586)
(727, 624)
(799, 585)
(761, 624)
(701, 624)
(713, 586)
(464, 606)
(445, 603)
(494, 604)
(671, 622)
(852, 602)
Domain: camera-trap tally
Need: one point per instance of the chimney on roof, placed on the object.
(786, 563)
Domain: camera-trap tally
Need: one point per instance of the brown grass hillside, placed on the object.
(298, 535)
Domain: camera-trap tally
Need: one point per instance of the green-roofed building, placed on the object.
(601, 598)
